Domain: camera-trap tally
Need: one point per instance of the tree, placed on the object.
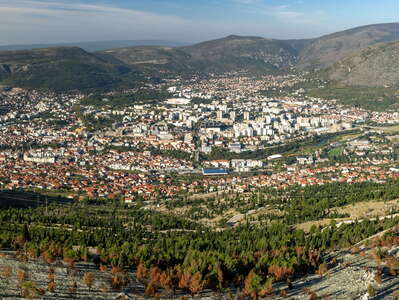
(51, 286)
(184, 280)
(30, 290)
(280, 273)
(322, 269)
(196, 283)
(155, 274)
(166, 280)
(6, 272)
(88, 279)
(283, 293)
(47, 257)
(150, 289)
(21, 276)
(371, 291)
(141, 272)
(252, 285)
(119, 280)
(103, 268)
(74, 288)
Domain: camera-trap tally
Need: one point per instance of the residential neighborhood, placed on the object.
(59, 142)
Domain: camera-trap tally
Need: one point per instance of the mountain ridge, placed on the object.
(113, 68)
(92, 46)
(61, 69)
(328, 49)
(374, 66)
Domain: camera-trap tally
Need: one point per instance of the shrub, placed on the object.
(150, 290)
(103, 268)
(88, 279)
(371, 291)
(6, 272)
(322, 270)
(51, 286)
(29, 290)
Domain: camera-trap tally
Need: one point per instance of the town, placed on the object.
(225, 125)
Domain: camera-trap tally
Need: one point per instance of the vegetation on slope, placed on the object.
(256, 54)
(72, 68)
(327, 50)
(372, 67)
(172, 253)
(252, 258)
(120, 100)
(374, 98)
(64, 69)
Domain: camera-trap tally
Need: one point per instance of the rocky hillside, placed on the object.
(368, 270)
(149, 58)
(258, 54)
(329, 49)
(233, 53)
(62, 69)
(375, 66)
(240, 52)
(71, 68)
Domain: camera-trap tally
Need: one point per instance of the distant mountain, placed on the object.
(327, 50)
(96, 45)
(63, 69)
(232, 53)
(257, 54)
(150, 58)
(242, 52)
(377, 65)
(66, 68)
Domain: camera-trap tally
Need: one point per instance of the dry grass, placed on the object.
(361, 210)
(388, 129)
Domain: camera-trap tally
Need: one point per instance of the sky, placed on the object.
(188, 21)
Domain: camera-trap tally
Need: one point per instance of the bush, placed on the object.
(371, 291)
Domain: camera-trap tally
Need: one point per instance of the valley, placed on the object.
(237, 168)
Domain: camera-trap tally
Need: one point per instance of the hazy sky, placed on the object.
(52, 21)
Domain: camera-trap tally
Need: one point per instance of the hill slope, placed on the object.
(233, 53)
(375, 66)
(239, 52)
(62, 69)
(149, 58)
(72, 68)
(257, 54)
(95, 45)
(329, 49)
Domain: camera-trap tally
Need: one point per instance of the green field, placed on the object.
(336, 152)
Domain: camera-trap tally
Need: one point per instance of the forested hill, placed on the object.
(170, 253)
(64, 69)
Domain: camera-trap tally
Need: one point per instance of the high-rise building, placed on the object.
(233, 115)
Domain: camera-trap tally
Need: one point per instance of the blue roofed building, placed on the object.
(214, 172)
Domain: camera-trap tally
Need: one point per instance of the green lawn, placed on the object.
(336, 152)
